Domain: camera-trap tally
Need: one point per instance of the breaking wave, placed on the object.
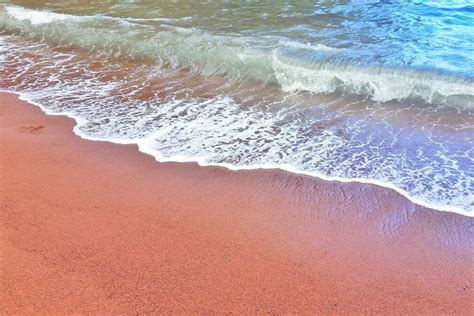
(293, 65)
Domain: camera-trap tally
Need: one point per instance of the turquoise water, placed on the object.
(379, 92)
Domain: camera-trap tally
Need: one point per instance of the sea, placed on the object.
(376, 92)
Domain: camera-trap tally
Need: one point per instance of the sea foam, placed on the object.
(243, 102)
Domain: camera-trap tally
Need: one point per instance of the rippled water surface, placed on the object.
(380, 92)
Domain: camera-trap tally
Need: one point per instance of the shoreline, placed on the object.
(100, 227)
(285, 168)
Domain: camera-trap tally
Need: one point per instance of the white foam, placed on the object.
(162, 19)
(145, 146)
(217, 130)
(309, 46)
(37, 17)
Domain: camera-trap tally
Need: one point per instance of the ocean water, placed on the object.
(371, 91)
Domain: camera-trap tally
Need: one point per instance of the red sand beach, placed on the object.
(94, 227)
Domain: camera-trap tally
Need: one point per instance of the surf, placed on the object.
(247, 98)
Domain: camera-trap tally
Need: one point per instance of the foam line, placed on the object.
(144, 148)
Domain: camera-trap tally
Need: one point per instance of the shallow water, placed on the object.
(381, 93)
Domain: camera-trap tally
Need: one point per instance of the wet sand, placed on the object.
(99, 227)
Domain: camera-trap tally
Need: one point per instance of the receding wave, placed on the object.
(272, 60)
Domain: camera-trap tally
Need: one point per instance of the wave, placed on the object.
(381, 84)
(178, 115)
(146, 146)
(308, 46)
(277, 60)
(38, 17)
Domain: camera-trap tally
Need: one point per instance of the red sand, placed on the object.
(99, 227)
